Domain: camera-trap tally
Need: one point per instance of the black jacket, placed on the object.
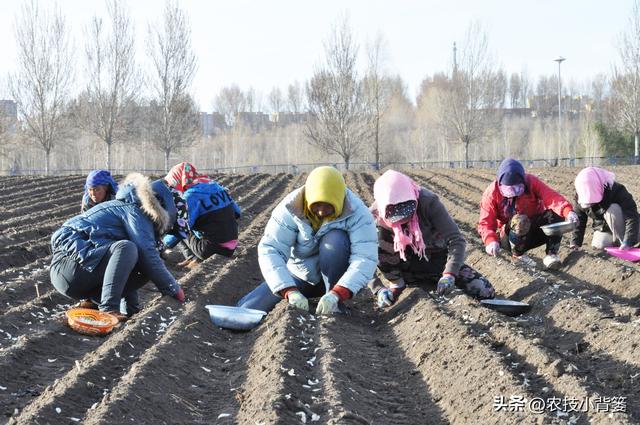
(616, 194)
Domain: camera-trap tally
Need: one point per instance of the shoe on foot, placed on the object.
(87, 304)
(192, 264)
(118, 315)
(185, 262)
(552, 262)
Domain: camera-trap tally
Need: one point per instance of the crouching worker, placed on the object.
(208, 212)
(419, 243)
(109, 252)
(609, 205)
(319, 242)
(99, 187)
(512, 210)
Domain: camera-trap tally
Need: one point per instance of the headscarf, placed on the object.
(394, 188)
(98, 178)
(590, 183)
(183, 176)
(511, 182)
(324, 184)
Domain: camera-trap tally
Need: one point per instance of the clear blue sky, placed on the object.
(268, 43)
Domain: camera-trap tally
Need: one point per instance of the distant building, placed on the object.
(9, 115)
(256, 121)
(283, 119)
(9, 108)
(212, 124)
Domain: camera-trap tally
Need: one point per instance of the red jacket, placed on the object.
(537, 198)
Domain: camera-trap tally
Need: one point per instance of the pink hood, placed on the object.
(590, 184)
(392, 188)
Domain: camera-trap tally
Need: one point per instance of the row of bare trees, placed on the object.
(112, 106)
(354, 111)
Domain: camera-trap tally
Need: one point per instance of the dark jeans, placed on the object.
(115, 277)
(518, 245)
(334, 252)
(204, 248)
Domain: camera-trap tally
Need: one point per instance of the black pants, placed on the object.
(116, 276)
(202, 249)
(518, 245)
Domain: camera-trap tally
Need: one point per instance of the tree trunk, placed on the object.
(108, 155)
(636, 153)
(166, 160)
(346, 159)
(377, 153)
(466, 151)
(47, 159)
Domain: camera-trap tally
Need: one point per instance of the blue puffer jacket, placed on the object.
(290, 247)
(201, 199)
(136, 215)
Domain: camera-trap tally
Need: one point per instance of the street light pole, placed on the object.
(559, 60)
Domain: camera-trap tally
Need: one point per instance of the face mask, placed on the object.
(512, 191)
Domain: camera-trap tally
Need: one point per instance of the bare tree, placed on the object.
(231, 101)
(112, 78)
(44, 72)
(514, 90)
(468, 105)
(174, 66)
(276, 100)
(377, 91)
(294, 98)
(338, 115)
(525, 89)
(626, 80)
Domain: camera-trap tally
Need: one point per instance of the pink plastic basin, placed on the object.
(632, 254)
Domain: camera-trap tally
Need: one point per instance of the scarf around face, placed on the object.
(183, 176)
(324, 184)
(393, 188)
(590, 183)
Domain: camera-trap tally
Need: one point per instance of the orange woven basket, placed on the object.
(90, 322)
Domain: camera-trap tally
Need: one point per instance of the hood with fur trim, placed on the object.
(138, 189)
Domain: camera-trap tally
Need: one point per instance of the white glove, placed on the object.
(298, 300)
(573, 217)
(493, 248)
(328, 303)
(385, 298)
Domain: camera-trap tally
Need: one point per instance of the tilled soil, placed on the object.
(573, 359)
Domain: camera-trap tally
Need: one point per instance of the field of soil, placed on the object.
(575, 358)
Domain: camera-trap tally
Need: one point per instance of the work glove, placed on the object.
(328, 303)
(520, 224)
(385, 298)
(574, 247)
(493, 248)
(298, 300)
(445, 285)
(625, 247)
(179, 295)
(573, 217)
